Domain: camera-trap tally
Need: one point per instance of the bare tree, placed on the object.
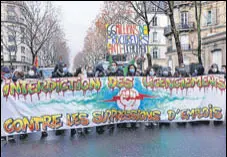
(168, 9)
(41, 24)
(54, 48)
(12, 38)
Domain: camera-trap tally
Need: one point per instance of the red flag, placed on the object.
(36, 63)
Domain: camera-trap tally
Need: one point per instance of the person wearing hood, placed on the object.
(198, 71)
(131, 70)
(166, 72)
(90, 72)
(66, 71)
(58, 70)
(214, 69)
(99, 71)
(17, 75)
(150, 72)
(139, 72)
(182, 71)
(5, 73)
(223, 70)
(115, 70)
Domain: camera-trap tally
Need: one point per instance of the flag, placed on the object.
(110, 59)
(36, 63)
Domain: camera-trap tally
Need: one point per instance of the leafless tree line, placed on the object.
(134, 12)
(39, 30)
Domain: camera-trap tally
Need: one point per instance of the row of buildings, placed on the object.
(14, 50)
(213, 33)
(162, 44)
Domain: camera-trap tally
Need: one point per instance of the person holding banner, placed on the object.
(150, 72)
(131, 72)
(58, 70)
(214, 69)
(90, 72)
(223, 70)
(198, 71)
(115, 70)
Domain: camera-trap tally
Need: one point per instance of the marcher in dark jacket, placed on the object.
(58, 70)
(199, 71)
(131, 70)
(90, 72)
(182, 71)
(166, 72)
(115, 70)
(214, 69)
(150, 72)
(99, 71)
(223, 70)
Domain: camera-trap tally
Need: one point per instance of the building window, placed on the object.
(22, 40)
(186, 60)
(184, 18)
(209, 17)
(170, 41)
(184, 39)
(154, 22)
(217, 58)
(170, 63)
(22, 49)
(11, 18)
(10, 8)
(11, 38)
(12, 48)
(155, 36)
(22, 30)
(22, 58)
(13, 57)
(11, 28)
(22, 20)
(154, 8)
(155, 53)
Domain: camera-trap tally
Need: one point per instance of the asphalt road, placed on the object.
(160, 141)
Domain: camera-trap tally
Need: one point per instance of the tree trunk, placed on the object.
(175, 33)
(149, 59)
(148, 53)
(199, 44)
(198, 22)
(10, 58)
(33, 58)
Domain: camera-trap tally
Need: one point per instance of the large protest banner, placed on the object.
(37, 105)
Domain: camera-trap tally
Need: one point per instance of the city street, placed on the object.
(113, 78)
(161, 141)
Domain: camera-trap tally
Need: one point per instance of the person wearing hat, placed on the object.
(5, 73)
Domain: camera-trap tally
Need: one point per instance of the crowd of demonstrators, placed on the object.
(61, 70)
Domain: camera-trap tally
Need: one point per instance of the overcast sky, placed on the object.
(76, 17)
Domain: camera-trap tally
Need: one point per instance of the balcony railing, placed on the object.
(184, 47)
(167, 30)
(185, 26)
(169, 49)
(180, 27)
